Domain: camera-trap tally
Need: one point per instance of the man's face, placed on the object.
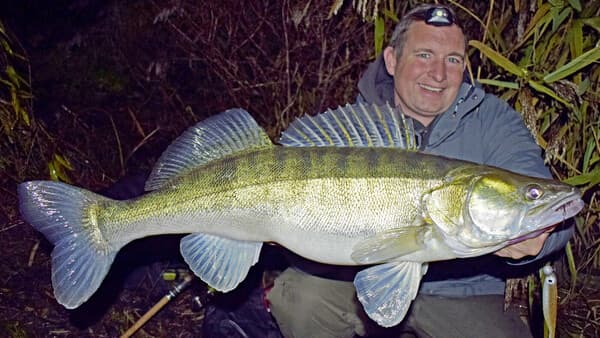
(428, 74)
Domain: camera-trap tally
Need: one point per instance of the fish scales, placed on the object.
(277, 184)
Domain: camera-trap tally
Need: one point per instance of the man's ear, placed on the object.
(389, 56)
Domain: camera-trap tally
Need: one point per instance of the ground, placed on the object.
(28, 307)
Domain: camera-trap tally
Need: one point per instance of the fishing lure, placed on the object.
(549, 300)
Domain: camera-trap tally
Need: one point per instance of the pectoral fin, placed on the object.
(220, 262)
(389, 245)
(387, 290)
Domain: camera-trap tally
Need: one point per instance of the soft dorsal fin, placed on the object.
(229, 132)
(357, 125)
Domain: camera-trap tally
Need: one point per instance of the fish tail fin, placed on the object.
(66, 215)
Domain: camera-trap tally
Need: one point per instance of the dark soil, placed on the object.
(133, 286)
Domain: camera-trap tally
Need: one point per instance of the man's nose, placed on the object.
(437, 70)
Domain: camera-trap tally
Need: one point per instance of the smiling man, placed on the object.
(428, 70)
(421, 73)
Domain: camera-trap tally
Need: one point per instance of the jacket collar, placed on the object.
(468, 99)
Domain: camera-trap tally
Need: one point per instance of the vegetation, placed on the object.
(103, 98)
(548, 67)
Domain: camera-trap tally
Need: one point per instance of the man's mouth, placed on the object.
(430, 88)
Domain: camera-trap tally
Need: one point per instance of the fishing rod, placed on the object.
(159, 305)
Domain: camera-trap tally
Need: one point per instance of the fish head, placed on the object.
(495, 208)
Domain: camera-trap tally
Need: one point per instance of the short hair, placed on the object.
(419, 13)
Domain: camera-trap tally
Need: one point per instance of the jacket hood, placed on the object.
(376, 85)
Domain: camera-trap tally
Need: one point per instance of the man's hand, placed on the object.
(529, 247)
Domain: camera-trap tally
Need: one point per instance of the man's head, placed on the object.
(426, 57)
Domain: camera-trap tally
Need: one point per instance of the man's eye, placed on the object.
(423, 55)
(455, 60)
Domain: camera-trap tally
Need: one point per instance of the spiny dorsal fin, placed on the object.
(229, 132)
(357, 125)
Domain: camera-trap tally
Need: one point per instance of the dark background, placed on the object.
(112, 83)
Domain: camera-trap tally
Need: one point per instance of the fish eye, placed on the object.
(534, 192)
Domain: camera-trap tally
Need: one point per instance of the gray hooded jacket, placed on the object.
(480, 128)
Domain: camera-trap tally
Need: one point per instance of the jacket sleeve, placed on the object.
(512, 147)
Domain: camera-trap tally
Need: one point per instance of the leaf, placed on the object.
(63, 161)
(575, 38)
(546, 121)
(12, 75)
(593, 22)
(497, 83)
(52, 172)
(541, 17)
(390, 15)
(575, 4)
(549, 48)
(558, 18)
(56, 169)
(6, 47)
(25, 116)
(508, 94)
(379, 34)
(574, 65)
(592, 178)
(556, 3)
(589, 149)
(545, 90)
(498, 58)
(571, 263)
(583, 86)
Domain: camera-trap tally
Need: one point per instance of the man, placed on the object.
(421, 73)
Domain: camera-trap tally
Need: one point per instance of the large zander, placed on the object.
(342, 190)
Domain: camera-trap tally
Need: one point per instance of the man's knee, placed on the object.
(476, 316)
(305, 305)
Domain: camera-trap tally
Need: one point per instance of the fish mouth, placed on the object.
(552, 215)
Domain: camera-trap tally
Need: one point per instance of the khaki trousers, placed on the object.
(308, 306)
